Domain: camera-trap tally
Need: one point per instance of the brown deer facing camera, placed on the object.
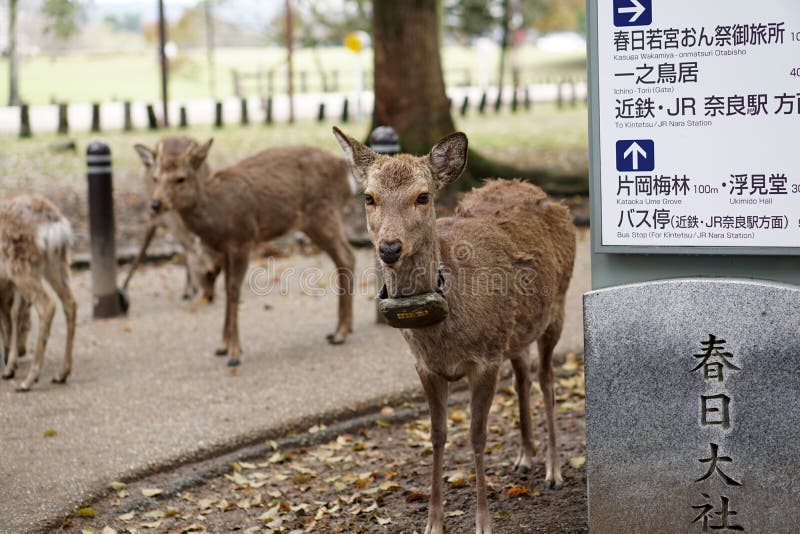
(34, 246)
(202, 265)
(258, 199)
(503, 263)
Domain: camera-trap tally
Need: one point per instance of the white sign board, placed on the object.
(699, 113)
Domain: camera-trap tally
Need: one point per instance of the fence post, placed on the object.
(128, 126)
(499, 102)
(95, 117)
(560, 95)
(108, 300)
(63, 119)
(183, 118)
(24, 122)
(218, 122)
(514, 101)
(527, 99)
(383, 140)
(482, 104)
(245, 118)
(345, 111)
(465, 106)
(268, 112)
(321, 113)
(152, 121)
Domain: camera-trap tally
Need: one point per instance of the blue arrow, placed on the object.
(637, 9)
(634, 151)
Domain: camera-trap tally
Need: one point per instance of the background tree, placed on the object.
(410, 92)
(13, 58)
(63, 17)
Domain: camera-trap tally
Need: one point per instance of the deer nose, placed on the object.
(390, 251)
(155, 206)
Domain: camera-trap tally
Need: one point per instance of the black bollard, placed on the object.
(383, 140)
(24, 122)
(63, 119)
(244, 115)
(528, 101)
(152, 121)
(499, 102)
(346, 111)
(218, 122)
(108, 301)
(482, 104)
(95, 118)
(128, 126)
(465, 106)
(514, 101)
(183, 118)
(321, 112)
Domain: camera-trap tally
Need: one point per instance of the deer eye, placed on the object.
(369, 200)
(180, 179)
(423, 199)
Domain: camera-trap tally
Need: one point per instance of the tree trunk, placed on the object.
(13, 59)
(210, 46)
(409, 86)
(289, 61)
(410, 94)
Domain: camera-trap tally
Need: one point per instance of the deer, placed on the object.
(503, 263)
(202, 264)
(34, 247)
(258, 199)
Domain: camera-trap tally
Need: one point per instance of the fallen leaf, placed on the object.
(577, 462)
(152, 524)
(126, 517)
(193, 528)
(49, 433)
(108, 530)
(117, 486)
(415, 496)
(382, 520)
(517, 491)
(454, 513)
(86, 511)
(151, 492)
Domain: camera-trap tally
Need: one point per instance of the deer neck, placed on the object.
(417, 273)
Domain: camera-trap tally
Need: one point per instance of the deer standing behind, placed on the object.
(202, 264)
(34, 247)
(260, 198)
(506, 258)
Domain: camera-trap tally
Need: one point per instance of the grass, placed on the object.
(543, 137)
(135, 76)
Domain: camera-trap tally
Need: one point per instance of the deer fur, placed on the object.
(202, 264)
(34, 247)
(258, 199)
(506, 257)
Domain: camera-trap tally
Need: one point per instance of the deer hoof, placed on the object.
(234, 362)
(8, 375)
(222, 351)
(335, 339)
(22, 388)
(59, 380)
(553, 485)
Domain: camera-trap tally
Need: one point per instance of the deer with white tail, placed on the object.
(493, 278)
(34, 247)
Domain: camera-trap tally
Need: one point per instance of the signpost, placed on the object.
(691, 332)
(694, 127)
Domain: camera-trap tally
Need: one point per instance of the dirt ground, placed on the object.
(375, 479)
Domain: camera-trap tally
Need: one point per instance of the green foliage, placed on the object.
(63, 17)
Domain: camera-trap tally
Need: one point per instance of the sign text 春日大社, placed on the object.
(699, 108)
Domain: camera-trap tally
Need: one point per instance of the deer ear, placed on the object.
(146, 154)
(448, 158)
(198, 153)
(359, 158)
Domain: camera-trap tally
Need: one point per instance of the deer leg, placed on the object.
(45, 310)
(238, 269)
(24, 328)
(546, 345)
(148, 236)
(329, 236)
(226, 269)
(58, 277)
(522, 383)
(13, 342)
(482, 385)
(436, 389)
